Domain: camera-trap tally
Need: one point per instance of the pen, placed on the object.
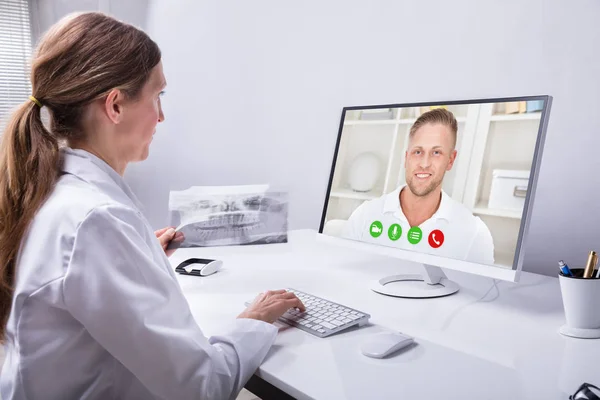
(564, 268)
(588, 272)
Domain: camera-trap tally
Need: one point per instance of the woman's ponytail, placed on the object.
(28, 169)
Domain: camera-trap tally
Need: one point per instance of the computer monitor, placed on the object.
(447, 184)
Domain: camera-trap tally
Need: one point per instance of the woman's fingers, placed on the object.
(166, 237)
(271, 305)
(159, 232)
(295, 303)
(178, 237)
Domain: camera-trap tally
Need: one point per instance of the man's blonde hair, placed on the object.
(437, 116)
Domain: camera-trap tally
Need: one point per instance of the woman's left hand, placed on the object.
(165, 236)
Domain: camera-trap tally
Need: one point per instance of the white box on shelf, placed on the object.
(509, 188)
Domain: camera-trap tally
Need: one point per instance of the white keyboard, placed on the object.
(322, 317)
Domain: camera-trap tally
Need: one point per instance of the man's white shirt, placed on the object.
(465, 236)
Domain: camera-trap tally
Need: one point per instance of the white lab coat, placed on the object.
(97, 310)
(466, 237)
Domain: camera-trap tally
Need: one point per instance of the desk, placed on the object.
(485, 342)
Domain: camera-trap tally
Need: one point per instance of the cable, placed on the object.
(479, 300)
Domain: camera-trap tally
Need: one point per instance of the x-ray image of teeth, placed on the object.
(229, 215)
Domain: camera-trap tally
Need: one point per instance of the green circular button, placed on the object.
(394, 232)
(376, 229)
(415, 234)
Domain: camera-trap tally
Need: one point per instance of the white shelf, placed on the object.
(351, 194)
(403, 121)
(371, 122)
(483, 209)
(407, 121)
(516, 117)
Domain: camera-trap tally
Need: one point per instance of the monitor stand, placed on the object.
(432, 283)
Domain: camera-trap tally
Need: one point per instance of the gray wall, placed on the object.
(255, 92)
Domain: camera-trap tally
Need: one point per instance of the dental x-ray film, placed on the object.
(229, 215)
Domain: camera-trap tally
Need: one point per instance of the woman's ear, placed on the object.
(113, 105)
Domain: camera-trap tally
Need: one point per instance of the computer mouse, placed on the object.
(383, 344)
(200, 266)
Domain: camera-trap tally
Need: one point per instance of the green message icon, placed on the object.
(394, 232)
(414, 235)
(376, 229)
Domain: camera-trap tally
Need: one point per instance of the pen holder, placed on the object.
(581, 301)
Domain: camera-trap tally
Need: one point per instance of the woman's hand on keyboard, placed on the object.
(271, 305)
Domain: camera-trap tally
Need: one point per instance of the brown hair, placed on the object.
(81, 59)
(437, 116)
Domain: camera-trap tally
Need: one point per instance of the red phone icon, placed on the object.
(436, 238)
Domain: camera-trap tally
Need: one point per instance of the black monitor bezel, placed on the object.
(535, 165)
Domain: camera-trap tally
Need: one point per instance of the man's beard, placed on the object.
(422, 192)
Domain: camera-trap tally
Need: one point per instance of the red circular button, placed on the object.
(436, 238)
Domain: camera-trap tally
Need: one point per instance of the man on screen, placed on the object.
(420, 216)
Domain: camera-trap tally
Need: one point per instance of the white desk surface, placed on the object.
(476, 344)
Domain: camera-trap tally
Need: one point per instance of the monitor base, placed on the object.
(433, 283)
(580, 333)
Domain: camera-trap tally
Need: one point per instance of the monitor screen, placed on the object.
(454, 179)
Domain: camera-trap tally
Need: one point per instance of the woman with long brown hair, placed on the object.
(89, 304)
